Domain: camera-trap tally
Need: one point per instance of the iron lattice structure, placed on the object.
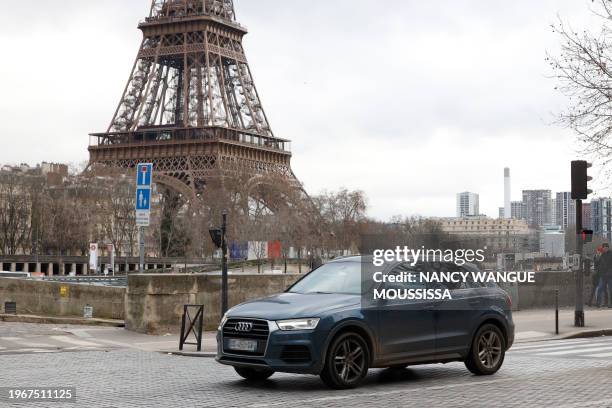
(190, 106)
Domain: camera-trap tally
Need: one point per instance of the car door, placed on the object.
(406, 327)
(455, 317)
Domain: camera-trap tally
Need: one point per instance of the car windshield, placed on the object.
(334, 277)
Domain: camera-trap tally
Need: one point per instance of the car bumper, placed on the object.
(291, 352)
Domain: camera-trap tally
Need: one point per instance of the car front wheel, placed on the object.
(487, 352)
(254, 374)
(347, 362)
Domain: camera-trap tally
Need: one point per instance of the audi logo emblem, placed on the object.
(244, 326)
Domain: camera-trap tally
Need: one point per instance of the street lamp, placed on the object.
(219, 238)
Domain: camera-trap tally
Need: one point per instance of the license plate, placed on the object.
(242, 345)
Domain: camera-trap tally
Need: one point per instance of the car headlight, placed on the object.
(223, 321)
(298, 324)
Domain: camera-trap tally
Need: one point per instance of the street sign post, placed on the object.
(144, 180)
(145, 175)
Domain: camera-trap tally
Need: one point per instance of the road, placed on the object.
(560, 374)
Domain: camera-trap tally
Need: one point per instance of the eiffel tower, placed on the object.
(190, 106)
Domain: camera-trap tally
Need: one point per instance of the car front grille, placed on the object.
(259, 332)
(295, 354)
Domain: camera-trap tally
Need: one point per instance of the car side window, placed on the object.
(467, 283)
(402, 269)
(445, 267)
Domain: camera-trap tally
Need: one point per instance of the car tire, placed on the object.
(487, 352)
(254, 374)
(347, 362)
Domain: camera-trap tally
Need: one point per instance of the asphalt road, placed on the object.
(561, 374)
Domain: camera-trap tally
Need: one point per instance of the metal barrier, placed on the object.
(196, 324)
(119, 281)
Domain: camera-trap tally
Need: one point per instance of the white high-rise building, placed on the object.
(468, 204)
(565, 210)
(537, 207)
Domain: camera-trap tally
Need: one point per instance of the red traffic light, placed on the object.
(587, 235)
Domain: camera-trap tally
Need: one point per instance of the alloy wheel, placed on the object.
(349, 360)
(490, 349)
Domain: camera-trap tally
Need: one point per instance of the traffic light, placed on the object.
(587, 236)
(580, 180)
(217, 236)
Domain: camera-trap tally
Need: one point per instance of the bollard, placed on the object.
(557, 311)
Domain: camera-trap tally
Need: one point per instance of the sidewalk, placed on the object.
(537, 325)
(531, 325)
(22, 318)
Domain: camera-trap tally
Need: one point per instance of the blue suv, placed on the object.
(321, 325)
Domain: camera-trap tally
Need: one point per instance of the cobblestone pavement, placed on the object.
(136, 378)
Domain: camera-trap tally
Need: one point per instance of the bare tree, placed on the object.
(344, 213)
(14, 214)
(584, 72)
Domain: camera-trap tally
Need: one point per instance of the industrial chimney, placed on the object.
(507, 198)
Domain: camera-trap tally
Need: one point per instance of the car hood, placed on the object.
(294, 306)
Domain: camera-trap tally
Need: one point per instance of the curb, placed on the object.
(61, 320)
(585, 334)
(588, 333)
(201, 354)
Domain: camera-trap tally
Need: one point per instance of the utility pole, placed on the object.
(142, 250)
(580, 191)
(219, 238)
(144, 180)
(224, 263)
(579, 314)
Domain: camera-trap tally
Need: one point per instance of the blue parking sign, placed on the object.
(145, 175)
(143, 199)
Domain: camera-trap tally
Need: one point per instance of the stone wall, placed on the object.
(541, 294)
(154, 303)
(47, 298)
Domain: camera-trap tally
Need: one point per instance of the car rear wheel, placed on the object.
(254, 374)
(347, 362)
(487, 352)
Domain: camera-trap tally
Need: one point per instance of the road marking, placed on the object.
(380, 393)
(602, 355)
(21, 350)
(578, 351)
(550, 344)
(569, 347)
(11, 339)
(27, 344)
(70, 340)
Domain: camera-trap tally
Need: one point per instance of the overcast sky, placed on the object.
(411, 101)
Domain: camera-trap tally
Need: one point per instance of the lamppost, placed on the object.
(218, 236)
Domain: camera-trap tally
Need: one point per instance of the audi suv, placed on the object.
(325, 325)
